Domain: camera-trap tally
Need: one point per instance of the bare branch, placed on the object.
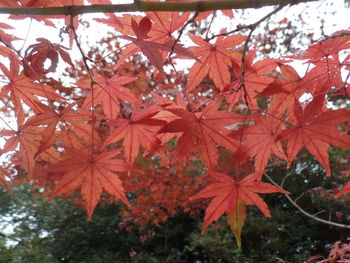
(252, 27)
(142, 6)
(191, 20)
(327, 222)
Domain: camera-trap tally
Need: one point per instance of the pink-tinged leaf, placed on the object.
(236, 218)
(316, 130)
(214, 59)
(202, 131)
(139, 130)
(91, 174)
(227, 191)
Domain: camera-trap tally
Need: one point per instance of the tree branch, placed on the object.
(314, 217)
(199, 6)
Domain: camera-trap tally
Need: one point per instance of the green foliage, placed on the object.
(57, 231)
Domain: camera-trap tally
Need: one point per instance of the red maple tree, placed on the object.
(156, 135)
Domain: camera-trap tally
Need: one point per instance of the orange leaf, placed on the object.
(92, 173)
(227, 191)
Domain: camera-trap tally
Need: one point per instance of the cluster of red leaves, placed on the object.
(109, 134)
(340, 253)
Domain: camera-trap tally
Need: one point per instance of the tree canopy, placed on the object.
(172, 111)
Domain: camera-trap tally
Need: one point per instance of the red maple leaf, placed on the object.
(164, 24)
(27, 138)
(21, 88)
(7, 38)
(227, 191)
(150, 47)
(92, 173)
(108, 92)
(214, 58)
(140, 129)
(260, 141)
(201, 131)
(346, 188)
(38, 54)
(3, 181)
(316, 130)
(48, 116)
(256, 78)
(285, 90)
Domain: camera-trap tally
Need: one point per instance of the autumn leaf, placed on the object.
(201, 131)
(38, 54)
(27, 138)
(260, 141)
(151, 48)
(214, 59)
(236, 218)
(346, 188)
(226, 192)
(284, 91)
(92, 173)
(328, 47)
(140, 129)
(164, 24)
(256, 78)
(48, 116)
(3, 181)
(21, 88)
(316, 130)
(109, 92)
(5, 37)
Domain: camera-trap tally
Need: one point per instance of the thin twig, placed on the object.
(92, 82)
(191, 20)
(252, 27)
(27, 34)
(342, 34)
(327, 222)
(7, 124)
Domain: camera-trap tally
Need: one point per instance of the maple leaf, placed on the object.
(22, 88)
(27, 138)
(236, 218)
(92, 173)
(48, 116)
(108, 92)
(261, 141)
(326, 48)
(285, 90)
(32, 3)
(346, 188)
(140, 129)
(3, 181)
(202, 131)
(38, 54)
(256, 78)
(152, 50)
(164, 24)
(316, 130)
(214, 58)
(149, 47)
(7, 38)
(226, 192)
